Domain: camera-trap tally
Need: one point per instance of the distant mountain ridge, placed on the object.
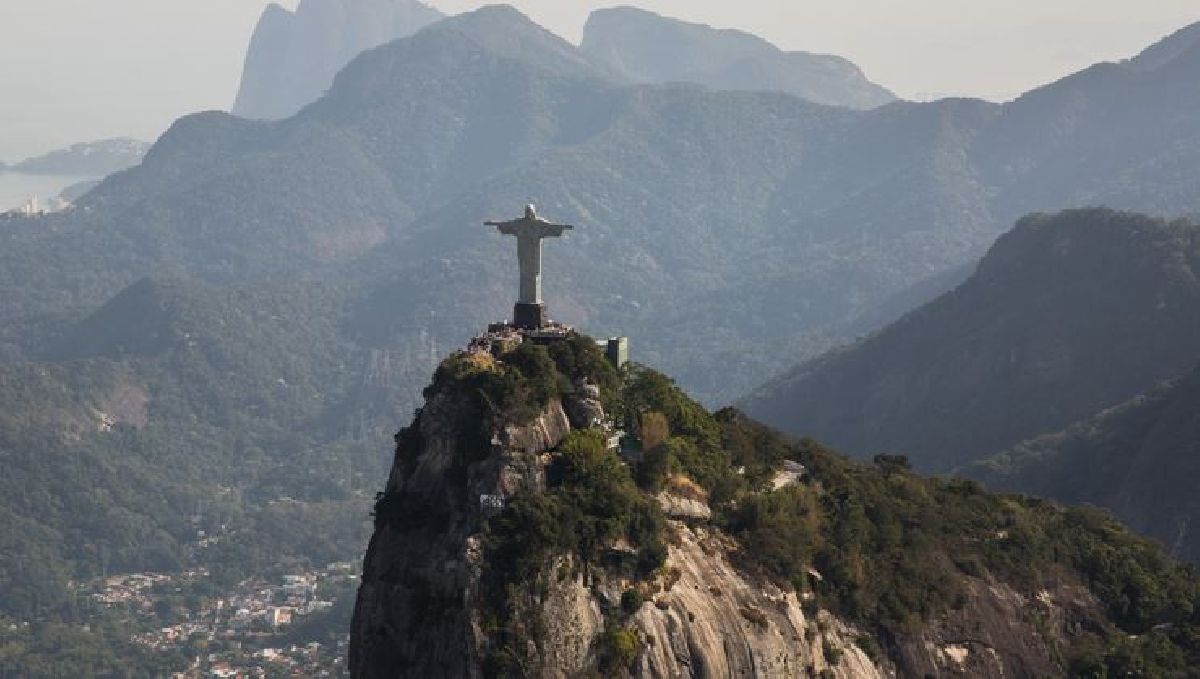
(838, 209)
(293, 56)
(1067, 314)
(649, 48)
(95, 159)
(1169, 48)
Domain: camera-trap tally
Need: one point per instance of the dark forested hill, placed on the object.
(646, 47)
(1141, 459)
(1067, 314)
(293, 56)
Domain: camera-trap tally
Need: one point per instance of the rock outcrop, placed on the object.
(418, 614)
(709, 607)
(421, 574)
(419, 609)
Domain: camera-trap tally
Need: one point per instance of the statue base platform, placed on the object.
(529, 316)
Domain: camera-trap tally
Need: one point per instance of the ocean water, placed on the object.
(16, 188)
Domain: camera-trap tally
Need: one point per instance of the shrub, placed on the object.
(618, 649)
(653, 469)
(631, 601)
(653, 430)
(833, 655)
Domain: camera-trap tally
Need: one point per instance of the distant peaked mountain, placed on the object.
(293, 56)
(1067, 314)
(647, 47)
(1140, 459)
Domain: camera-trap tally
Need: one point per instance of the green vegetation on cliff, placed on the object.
(874, 543)
(1141, 458)
(894, 550)
(590, 503)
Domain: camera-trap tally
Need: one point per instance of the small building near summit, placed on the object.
(616, 349)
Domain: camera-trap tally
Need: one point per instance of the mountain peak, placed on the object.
(648, 47)
(293, 56)
(505, 31)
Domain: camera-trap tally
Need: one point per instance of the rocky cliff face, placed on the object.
(712, 607)
(418, 611)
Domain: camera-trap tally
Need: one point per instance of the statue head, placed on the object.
(530, 211)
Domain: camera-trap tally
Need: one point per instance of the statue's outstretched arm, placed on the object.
(550, 230)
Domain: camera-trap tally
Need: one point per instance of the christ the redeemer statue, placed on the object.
(530, 312)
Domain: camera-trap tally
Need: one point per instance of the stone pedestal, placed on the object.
(529, 316)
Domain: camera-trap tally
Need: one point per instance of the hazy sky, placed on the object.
(74, 70)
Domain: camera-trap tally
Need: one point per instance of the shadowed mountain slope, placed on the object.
(1066, 314)
(1140, 459)
(181, 407)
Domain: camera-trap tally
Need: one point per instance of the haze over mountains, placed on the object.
(703, 213)
(293, 56)
(259, 300)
